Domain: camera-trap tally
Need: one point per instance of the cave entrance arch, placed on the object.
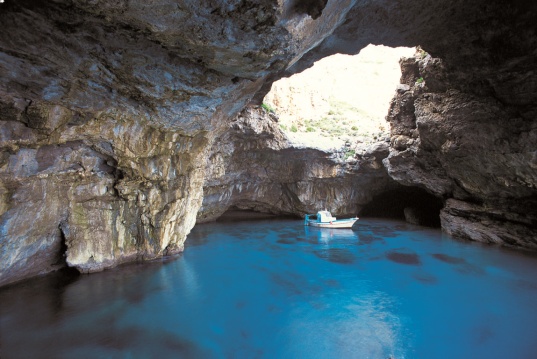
(341, 103)
(341, 100)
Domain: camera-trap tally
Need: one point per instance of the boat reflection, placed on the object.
(325, 235)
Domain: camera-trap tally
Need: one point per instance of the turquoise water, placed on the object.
(277, 289)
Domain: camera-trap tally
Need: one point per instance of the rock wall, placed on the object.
(475, 150)
(253, 166)
(108, 111)
(103, 192)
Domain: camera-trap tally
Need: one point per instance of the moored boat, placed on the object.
(324, 219)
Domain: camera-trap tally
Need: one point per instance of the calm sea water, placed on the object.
(275, 289)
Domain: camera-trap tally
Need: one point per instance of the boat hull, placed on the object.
(342, 223)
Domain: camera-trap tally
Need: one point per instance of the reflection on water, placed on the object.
(276, 289)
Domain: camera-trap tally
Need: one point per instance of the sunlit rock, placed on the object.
(253, 166)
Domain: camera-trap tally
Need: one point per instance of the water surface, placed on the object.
(275, 289)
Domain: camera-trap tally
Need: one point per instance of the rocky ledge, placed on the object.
(116, 116)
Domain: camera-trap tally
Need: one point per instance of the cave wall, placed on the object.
(254, 167)
(470, 145)
(110, 112)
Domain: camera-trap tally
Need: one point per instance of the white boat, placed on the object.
(325, 220)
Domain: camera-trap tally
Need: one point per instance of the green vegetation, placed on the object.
(267, 108)
(420, 80)
(349, 153)
(342, 121)
(332, 112)
(421, 53)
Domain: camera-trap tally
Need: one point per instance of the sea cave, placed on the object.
(127, 125)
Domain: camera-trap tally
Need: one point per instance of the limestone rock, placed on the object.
(463, 144)
(489, 225)
(411, 215)
(266, 174)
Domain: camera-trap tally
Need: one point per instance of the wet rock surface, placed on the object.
(115, 117)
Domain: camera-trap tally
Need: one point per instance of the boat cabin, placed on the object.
(325, 216)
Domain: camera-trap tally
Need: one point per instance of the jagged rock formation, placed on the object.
(110, 110)
(253, 167)
(476, 151)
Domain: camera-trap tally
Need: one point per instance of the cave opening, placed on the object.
(341, 101)
(61, 259)
(65, 273)
(413, 204)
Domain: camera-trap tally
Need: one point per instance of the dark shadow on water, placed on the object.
(51, 298)
(287, 238)
(286, 241)
(336, 255)
(134, 339)
(404, 227)
(369, 238)
(524, 285)
(201, 233)
(46, 303)
(290, 283)
(332, 283)
(309, 239)
(468, 268)
(240, 304)
(448, 259)
(403, 256)
(271, 308)
(375, 258)
(198, 237)
(376, 229)
(425, 278)
(483, 334)
(246, 352)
